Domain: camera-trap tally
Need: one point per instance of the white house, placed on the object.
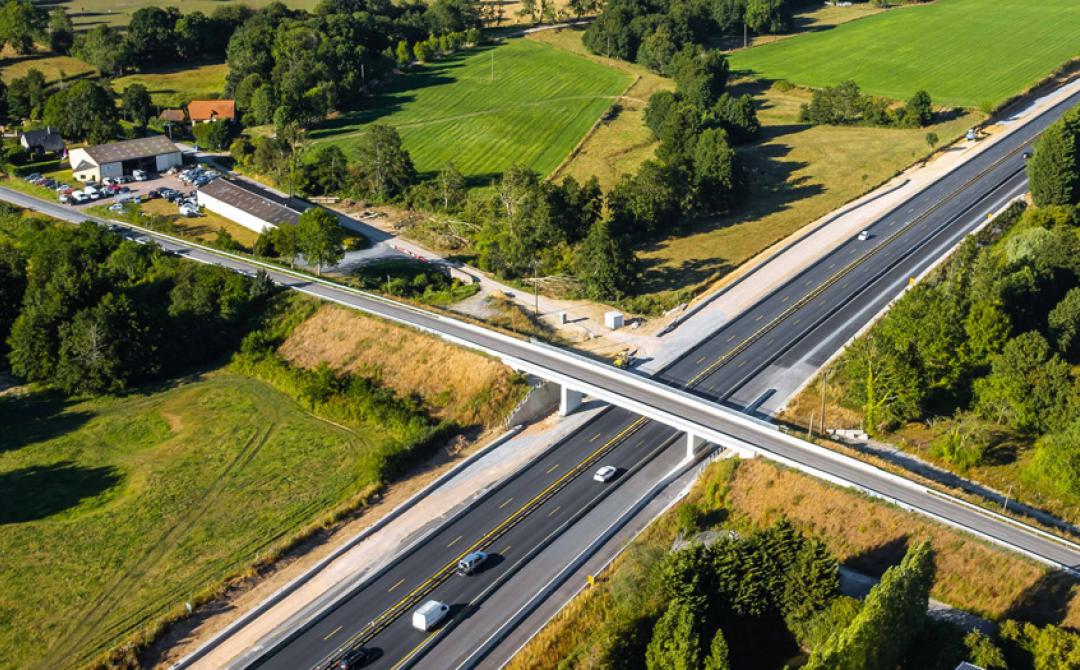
(156, 153)
(247, 205)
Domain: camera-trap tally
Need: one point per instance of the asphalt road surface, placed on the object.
(762, 354)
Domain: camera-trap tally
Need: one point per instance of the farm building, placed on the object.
(156, 153)
(42, 141)
(247, 205)
(204, 111)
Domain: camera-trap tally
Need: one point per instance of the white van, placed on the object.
(428, 615)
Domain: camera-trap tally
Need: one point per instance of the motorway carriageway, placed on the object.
(804, 321)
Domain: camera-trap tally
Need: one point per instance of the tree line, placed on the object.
(84, 311)
(651, 32)
(845, 104)
(991, 340)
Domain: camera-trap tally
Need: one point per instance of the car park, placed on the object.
(605, 474)
(471, 563)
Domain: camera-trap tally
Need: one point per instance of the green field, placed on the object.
(539, 104)
(173, 88)
(115, 511)
(967, 53)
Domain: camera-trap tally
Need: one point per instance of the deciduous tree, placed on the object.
(319, 238)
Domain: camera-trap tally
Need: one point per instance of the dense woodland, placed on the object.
(772, 599)
(992, 340)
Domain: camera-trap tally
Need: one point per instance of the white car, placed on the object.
(605, 474)
(116, 207)
(864, 235)
(140, 175)
(79, 197)
(189, 210)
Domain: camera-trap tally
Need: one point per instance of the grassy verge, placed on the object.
(963, 52)
(864, 534)
(485, 110)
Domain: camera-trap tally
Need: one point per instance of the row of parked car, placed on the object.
(198, 176)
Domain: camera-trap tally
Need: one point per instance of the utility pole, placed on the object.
(745, 37)
(536, 290)
(1005, 505)
(824, 383)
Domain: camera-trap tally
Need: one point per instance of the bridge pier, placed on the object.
(569, 400)
(693, 444)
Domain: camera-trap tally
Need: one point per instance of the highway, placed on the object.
(768, 349)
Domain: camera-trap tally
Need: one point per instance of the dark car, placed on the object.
(356, 658)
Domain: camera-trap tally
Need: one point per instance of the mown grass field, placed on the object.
(538, 105)
(114, 511)
(172, 88)
(88, 13)
(970, 53)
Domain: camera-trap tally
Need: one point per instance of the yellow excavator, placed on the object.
(624, 358)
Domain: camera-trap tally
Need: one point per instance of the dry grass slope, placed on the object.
(459, 385)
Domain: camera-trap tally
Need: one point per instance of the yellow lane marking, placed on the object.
(820, 288)
(331, 633)
(396, 584)
(405, 659)
(455, 540)
(389, 615)
(555, 511)
(508, 501)
(552, 469)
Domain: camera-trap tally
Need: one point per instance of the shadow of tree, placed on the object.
(33, 418)
(876, 560)
(40, 491)
(773, 188)
(1046, 601)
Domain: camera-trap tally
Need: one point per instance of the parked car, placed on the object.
(604, 474)
(63, 187)
(140, 175)
(189, 210)
(201, 181)
(116, 207)
(32, 176)
(91, 192)
(65, 198)
(80, 197)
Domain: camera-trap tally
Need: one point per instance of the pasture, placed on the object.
(117, 510)
(966, 53)
(488, 109)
